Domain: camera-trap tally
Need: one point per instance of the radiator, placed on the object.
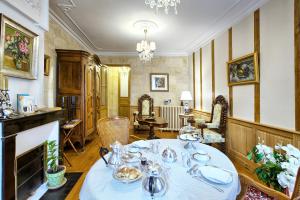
(171, 115)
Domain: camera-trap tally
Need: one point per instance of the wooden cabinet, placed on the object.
(103, 99)
(79, 74)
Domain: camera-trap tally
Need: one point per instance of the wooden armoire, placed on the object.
(81, 75)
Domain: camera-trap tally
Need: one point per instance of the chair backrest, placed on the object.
(219, 113)
(145, 105)
(112, 129)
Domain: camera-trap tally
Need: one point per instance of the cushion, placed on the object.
(253, 193)
(210, 136)
(145, 107)
(217, 115)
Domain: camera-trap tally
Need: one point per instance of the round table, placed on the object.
(99, 183)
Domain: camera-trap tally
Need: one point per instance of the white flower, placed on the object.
(291, 151)
(285, 180)
(270, 157)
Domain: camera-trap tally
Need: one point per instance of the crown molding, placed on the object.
(222, 25)
(166, 54)
(69, 30)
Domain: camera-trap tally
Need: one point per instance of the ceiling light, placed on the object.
(166, 4)
(145, 49)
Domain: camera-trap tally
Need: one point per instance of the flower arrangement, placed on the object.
(279, 166)
(17, 45)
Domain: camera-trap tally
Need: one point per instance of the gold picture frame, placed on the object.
(243, 70)
(159, 82)
(46, 65)
(18, 50)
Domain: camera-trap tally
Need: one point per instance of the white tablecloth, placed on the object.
(99, 183)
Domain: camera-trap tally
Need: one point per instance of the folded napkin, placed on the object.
(141, 144)
(215, 174)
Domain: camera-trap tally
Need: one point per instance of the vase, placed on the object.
(18, 64)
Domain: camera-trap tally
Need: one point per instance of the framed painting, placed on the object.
(243, 70)
(46, 65)
(18, 50)
(159, 82)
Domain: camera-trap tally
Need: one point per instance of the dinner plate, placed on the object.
(216, 175)
(124, 177)
(131, 157)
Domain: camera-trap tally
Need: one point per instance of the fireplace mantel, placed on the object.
(9, 129)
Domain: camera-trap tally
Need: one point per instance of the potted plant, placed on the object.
(278, 167)
(55, 173)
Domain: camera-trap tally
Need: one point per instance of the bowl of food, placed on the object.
(127, 174)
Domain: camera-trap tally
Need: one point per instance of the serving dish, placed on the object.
(127, 174)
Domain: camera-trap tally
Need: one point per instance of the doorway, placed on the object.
(118, 79)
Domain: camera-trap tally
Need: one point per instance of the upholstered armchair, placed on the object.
(145, 109)
(213, 131)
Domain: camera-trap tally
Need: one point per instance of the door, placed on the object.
(103, 99)
(124, 91)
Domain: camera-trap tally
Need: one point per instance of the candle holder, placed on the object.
(6, 109)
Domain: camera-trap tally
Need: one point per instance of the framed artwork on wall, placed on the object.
(18, 50)
(46, 65)
(243, 70)
(159, 82)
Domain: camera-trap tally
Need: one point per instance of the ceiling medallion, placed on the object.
(166, 4)
(145, 48)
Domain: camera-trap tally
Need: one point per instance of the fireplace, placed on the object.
(30, 171)
(23, 152)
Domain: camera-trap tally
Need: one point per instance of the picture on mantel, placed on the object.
(159, 82)
(18, 50)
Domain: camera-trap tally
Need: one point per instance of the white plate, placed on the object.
(201, 157)
(132, 157)
(133, 149)
(216, 175)
(187, 137)
(126, 180)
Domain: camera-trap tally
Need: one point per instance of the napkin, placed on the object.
(216, 175)
(141, 144)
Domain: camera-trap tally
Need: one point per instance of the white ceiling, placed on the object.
(106, 26)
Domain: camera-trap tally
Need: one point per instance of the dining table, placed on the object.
(99, 183)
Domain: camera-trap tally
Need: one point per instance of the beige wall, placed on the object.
(180, 76)
(112, 91)
(55, 38)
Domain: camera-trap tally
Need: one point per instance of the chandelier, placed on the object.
(163, 4)
(145, 49)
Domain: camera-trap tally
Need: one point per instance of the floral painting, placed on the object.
(18, 50)
(243, 70)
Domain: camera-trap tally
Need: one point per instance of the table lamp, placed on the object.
(186, 96)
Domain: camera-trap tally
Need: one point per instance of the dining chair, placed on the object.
(145, 108)
(214, 130)
(112, 129)
(252, 189)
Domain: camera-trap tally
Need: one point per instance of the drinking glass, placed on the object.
(186, 159)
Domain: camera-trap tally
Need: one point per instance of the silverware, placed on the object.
(203, 181)
(192, 169)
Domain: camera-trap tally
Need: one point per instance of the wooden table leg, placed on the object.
(152, 134)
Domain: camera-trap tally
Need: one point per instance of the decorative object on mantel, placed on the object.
(18, 50)
(166, 4)
(26, 104)
(46, 65)
(278, 167)
(186, 96)
(167, 102)
(243, 70)
(55, 173)
(145, 48)
(6, 109)
(159, 82)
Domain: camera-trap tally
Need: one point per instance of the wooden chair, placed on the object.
(213, 131)
(145, 108)
(112, 129)
(251, 187)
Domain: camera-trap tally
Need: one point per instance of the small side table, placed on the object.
(183, 116)
(68, 130)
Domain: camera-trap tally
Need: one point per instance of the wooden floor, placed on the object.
(83, 161)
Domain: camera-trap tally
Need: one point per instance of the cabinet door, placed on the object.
(98, 92)
(103, 100)
(69, 77)
(90, 104)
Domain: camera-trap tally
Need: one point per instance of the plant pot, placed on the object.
(56, 179)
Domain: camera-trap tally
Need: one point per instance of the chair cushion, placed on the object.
(210, 136)
(145, 107)
(216, 116)
(253, 193)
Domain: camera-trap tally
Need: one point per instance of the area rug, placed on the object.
(63, 192)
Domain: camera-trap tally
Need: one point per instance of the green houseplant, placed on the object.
(55, 173)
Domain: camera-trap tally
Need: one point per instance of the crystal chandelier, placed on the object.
(163, 4)
(145, 49)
